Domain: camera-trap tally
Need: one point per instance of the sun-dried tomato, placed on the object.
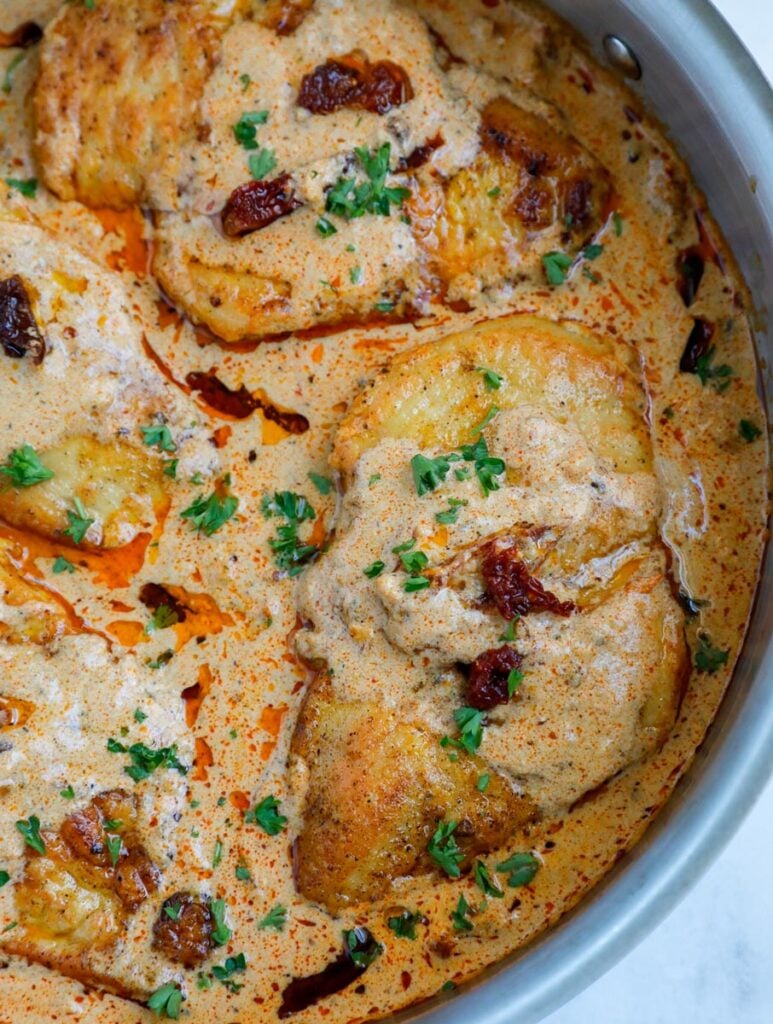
(352, 81)
(240, 403)
(690, 267)
(257, 204)
(184, 934)
(419, 156)
(19, 332)
(487, 681)
(698, 344)
(514, 590)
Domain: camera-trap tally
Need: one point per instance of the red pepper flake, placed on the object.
(352, 81)
(257, 204)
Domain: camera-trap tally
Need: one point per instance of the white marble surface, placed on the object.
(711, 960)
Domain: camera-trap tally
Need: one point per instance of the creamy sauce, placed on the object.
(230, 694)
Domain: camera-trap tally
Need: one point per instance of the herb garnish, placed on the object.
(68, 793)
(443, 848)
(262, 163)
(709, 658)
(485, 882)
(374, 569)
(470, 724)
(242, 872)
(429, 474)
(522, 867)
(8, 76)
(617, 220)
(145, 760)
(749, 431)
(459, 916)
(323, 483)
(514, 680)
(158, 435)
(556, 265)
(266, 815)
(221, 933)
(717, 376)
(362, 954)
(24, 468)
(482, 784)
(326, 228)
(404, 925)
(232, 965)
(78, 522)
(114, 845)
(509, 636)
(350, 199)
(451, 514)
(166, 1001)
(163, 617)
(207, 515)
(491, 378)
(290, 553)
(30, 829)
(245, 130)
(217, 855)
(62, 565)
(173, 911)
(276, 918)
(28, 187)
(414, 583)
(5, 878)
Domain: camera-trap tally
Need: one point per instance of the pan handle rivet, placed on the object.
(621, 56)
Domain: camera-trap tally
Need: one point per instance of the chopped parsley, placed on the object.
(262, 163)
(323, 483)
(482, 784)
(404, 924)
(246, 81)
(28, 187)
(443, 848)
(78, 522)
(170, 468)
(491, 378)
(139, 715)
(521, 867)
(451, 514)
(494, 192)
(485, 882)
(617, 220)
(217, 855)
(290, 552)
(114, 845)
(163, 659)
(708, 373)
(24, 468)
(30, 829)
(355, 275)
(592, 251)
(470, 724)
(385, 306)
(362, 953)
(374, 569)
(158, 435)
(350, 199)
(221, 933)
(242, 872)
(326, 228)
(459, 916)
(487, 467)
(749, 431)
(207, 515)
(709, 658)
(173, 911)
(246, 128)
(5, 878)
(413, 561)
(266, 815)
(429, 474)
(414, 583)
(163, 617)
(374, 479)
(145, 760)
(68, 793)
(166, 1001)
(62, 565)
(8, 76)
(509, 636)
(514, 680)
(276, 918)
(232, 965)
(556, 266)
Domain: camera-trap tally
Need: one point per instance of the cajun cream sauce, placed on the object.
(225, 684)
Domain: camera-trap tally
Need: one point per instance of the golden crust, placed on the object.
(116, 98)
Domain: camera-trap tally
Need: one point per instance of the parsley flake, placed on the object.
(207, 515)
(429, 474)
(374, 569)
(349, 198)
(749, 431)
(245, 81)
(8, 76)
(28, 187)
(362, 949)
(276, 918)
(246, 128)
(68, 793)
(451, 514)
(708, 373)
(62, 565)
(617, 220)
(262, 163)
(323, 483)
(459, 916)
(242, 872)
(78, 522)
(221, 933)
(325, 227)
(443, 848)
(470, 724)
(509, 636)
(266, 815)
(404, 924)
(592, 251)
(556, 266)
(291, 554)
(24, 468)
(166, 1001)
(485, 882)
(158, 435)
(5, 878)
(30, 829)
(514, 680)
(709, 658)
(521, 867)
(232, 965)
(482, 784)
(145, 760)
(114, 845)
(491, 378)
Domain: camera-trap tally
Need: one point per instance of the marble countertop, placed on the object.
(711, 960)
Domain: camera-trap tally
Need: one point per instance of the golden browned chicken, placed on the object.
(374, 791)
